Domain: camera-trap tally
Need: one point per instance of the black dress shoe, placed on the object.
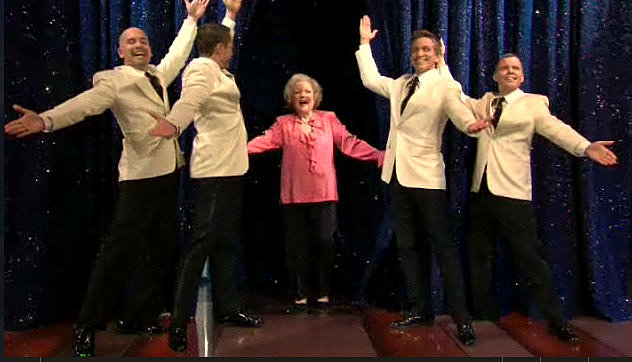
(242, 319)
(465, 333)
(83, 342)
(124, 327)
(414, 320)
(564, 333)
(178, 339)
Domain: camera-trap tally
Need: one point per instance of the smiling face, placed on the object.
(424, 55)
(508, 74)
(302, 98)
(134, 48)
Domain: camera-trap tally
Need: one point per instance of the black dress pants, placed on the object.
(217, 223)
(141, 243)
(491, 217)
(421, 219)
(309, 230)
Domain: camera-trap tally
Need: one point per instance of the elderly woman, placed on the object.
(308, 183)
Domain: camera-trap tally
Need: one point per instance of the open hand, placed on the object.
(29, 123)
(478, 126)
(232, 8)
(366, 33)
(598, 151)
(196, 8)
(164, 128)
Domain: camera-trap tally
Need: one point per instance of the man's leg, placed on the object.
(416, 272)
(158, 249)
(480, 244)
(113, 266)
(517, 222)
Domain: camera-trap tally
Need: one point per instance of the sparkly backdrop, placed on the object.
(59, 187)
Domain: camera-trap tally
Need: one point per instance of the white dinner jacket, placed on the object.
(210, 98)
(414, 139)
(506, 150)
(128, 93)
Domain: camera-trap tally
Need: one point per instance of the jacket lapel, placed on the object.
(148, 90)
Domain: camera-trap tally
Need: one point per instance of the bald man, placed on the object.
(143, 233)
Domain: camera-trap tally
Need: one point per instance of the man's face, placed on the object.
(224, 53)
(303, 98)
(134, 48)
(509, 74)
(423, 55)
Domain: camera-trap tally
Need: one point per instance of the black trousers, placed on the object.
(309, 230)
(217, 224)
(141, 243)
(491, 217)
(422, 226)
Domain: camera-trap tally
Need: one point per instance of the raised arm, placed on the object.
(179, 51)
(371, 77)
(442, 66)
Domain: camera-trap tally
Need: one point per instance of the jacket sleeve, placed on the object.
(351, 145)
(196, 86)
(271, 140)
(460, 115)
(89, 103)
(371, 77)
(556, 131)
(179, 51)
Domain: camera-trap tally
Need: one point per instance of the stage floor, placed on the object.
(341, 334)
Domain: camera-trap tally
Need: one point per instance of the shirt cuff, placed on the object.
(229, 22)
(365, 47)
(580, 149)
(48, 123)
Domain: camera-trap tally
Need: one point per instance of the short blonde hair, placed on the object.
(291, 83)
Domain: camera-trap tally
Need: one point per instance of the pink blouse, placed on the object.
(308, 173)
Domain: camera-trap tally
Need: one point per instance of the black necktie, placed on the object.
(412, 86)
(155, 82)
(497, 104)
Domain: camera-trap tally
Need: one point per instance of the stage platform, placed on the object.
(340, 334)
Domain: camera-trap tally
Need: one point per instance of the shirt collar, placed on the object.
(513, 96)
(135, 71)
(427, 75)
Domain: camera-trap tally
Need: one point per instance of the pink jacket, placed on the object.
(308, 173)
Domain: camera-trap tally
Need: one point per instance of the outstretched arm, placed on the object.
(29, 123)
(598, 151)
(352, 146)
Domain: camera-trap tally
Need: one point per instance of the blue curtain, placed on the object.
(58, 188)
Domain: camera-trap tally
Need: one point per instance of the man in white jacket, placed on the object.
(501, 190)
(144, 226)
(210, 98)
(421, 104)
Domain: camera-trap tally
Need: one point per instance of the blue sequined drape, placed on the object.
(59, 187)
